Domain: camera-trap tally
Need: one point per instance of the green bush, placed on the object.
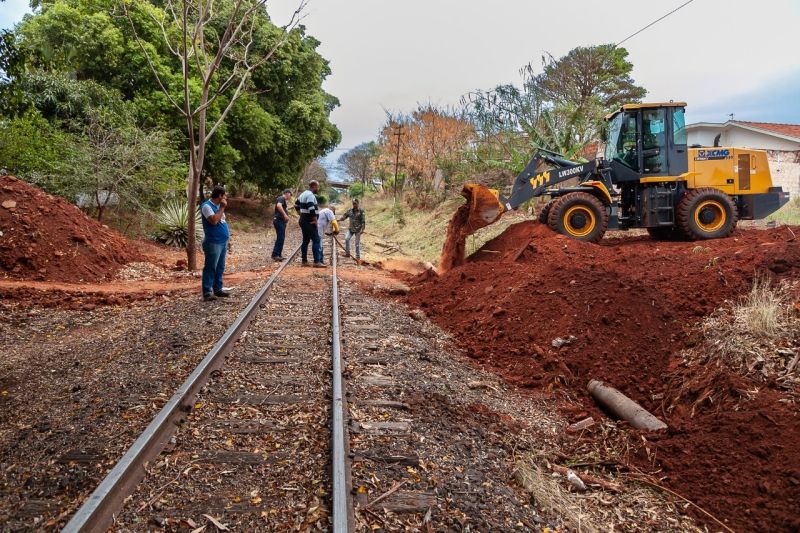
(173, 221)
(356, 190)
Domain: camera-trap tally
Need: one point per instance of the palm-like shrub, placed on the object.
(173, 223)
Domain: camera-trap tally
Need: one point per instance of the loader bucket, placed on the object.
(484, 206)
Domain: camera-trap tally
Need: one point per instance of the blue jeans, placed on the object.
(310, 235)
(351, 235)
(280, 237)
(319, 255)
(214, 265)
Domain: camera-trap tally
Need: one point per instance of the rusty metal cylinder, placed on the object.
(623, 407)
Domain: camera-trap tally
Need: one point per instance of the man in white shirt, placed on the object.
(325, 218)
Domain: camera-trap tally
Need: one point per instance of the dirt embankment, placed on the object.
(631, 305)
(47, 238)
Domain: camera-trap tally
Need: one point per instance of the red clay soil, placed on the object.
(47, 238)
(455, 242)
(632, 304)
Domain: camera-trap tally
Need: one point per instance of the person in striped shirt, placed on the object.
(306, 205)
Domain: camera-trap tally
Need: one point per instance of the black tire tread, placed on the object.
(586, 198)
(685, 215)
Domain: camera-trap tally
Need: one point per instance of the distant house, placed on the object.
(781, 141)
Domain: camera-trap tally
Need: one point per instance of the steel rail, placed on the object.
(341, 507)
(97, 512)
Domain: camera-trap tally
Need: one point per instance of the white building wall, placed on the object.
(742, 138)
(785, 169)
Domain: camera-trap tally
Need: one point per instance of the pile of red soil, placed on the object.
(631, 305)
(47, 238)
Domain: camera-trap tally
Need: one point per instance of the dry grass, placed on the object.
(637, 508)
(788, 214)
(759, 332)
(422, 235)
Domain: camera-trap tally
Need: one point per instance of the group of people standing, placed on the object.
(316, 219)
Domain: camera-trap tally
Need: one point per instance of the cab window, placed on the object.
(679, 126)
(654, 140)
(621, 144)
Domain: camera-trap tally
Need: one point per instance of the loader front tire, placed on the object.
(545, 212)
(706, 213)
(580, 216)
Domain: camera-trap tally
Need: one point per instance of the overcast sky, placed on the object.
(721, 56)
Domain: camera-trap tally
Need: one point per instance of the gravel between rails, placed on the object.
(253, 453)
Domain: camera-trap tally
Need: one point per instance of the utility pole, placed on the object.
(398, 133)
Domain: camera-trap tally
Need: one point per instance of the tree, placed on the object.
(585, 85)
(560, 108)
(215, 46)
(359, 162)
(279, 122)
(431, 143)
(123, 162)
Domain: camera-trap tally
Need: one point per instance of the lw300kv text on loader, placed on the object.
(649, 178)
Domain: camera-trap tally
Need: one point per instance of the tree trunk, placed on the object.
(191, 241)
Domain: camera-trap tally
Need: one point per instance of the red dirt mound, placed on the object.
(623, 310)
(47, 238)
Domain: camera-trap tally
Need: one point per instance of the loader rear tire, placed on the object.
(706, 213)
(580, 216)
(545, 212)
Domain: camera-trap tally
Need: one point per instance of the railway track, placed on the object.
(255, 437)
(276, 430)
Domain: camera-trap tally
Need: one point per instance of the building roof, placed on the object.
(790, 132)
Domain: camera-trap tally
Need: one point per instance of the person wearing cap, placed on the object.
(279, 221)
(357, 224)
(306, 205)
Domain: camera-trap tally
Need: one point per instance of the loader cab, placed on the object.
(647, 141)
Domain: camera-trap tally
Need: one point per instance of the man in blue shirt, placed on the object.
(280, 220)
(306, 204)
(215, 243)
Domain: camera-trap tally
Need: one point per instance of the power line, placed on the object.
(654, 22)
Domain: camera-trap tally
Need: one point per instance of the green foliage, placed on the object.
(356, 190)
(559, 108)
(72, 55)
(173, 221)
(32, 148)
(398, 214)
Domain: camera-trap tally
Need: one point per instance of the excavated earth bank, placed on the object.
(44, 237)
(632, 304)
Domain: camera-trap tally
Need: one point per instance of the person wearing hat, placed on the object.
(279, 222)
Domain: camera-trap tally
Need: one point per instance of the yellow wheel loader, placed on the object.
(648, 178)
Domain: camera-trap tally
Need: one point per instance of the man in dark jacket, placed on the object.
(357, 224)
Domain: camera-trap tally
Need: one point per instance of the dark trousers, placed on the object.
(310, 235)
(280, 237)
(214, 265)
